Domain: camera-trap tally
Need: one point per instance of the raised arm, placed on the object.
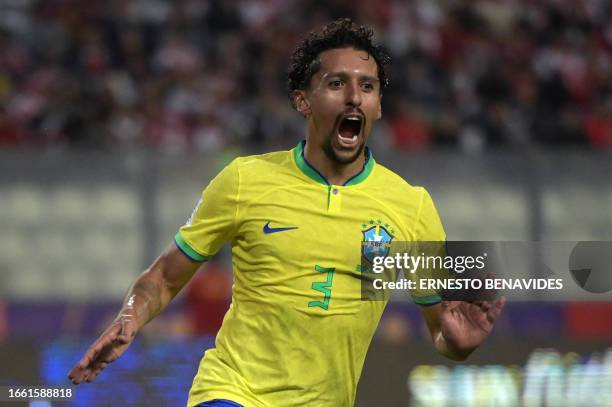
(149, 295)
(457, 328)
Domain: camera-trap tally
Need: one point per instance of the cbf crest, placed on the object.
(377, 237)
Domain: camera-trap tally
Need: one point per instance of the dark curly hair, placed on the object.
(305, 61)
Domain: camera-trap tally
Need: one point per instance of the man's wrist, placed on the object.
(449, 350)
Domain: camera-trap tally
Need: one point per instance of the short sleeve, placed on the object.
(429, 227)
(213, 221)
(430, 233)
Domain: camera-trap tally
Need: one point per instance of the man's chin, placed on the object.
(343, 155)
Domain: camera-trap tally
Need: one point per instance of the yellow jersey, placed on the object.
(297, 331)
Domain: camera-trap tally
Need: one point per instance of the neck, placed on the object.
(334, 172)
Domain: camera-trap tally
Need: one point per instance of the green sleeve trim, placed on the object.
(187, 250)
(429, 300)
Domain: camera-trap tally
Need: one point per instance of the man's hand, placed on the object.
(459, 327)
(465, 325)
(110, 345)
(149, 295)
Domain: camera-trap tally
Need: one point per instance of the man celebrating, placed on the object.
(297, 331)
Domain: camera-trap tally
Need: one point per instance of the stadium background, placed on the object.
(114, 115)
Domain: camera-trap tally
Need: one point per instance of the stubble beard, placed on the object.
(331, 153)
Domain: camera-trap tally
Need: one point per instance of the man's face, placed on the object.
(342, 103)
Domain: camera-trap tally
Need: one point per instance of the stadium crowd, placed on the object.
(205, 75)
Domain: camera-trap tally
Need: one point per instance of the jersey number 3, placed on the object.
(323, 287)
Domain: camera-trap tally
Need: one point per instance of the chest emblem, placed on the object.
(377, 237)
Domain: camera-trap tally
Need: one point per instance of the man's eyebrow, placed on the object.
(342, 74)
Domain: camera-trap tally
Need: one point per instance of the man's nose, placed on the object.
(353, 94)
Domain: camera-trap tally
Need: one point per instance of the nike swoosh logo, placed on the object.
(267, 229)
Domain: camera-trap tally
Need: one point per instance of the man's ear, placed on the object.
(300, 102)
(379, 113)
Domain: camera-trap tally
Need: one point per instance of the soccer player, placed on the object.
(297, 331)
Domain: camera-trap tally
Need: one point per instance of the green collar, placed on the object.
(311, 172)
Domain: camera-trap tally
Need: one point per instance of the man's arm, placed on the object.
(457, 328)
(149, 295)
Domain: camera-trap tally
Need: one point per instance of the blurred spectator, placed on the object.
(208, 298)
(209, 75)
(408, 128)
(598, 124)
(588, 320)
(10, 133)
(394, 329)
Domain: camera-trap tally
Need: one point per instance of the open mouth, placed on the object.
(349, 130)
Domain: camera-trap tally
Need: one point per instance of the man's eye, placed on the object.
(368, 86)
(336, 84)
